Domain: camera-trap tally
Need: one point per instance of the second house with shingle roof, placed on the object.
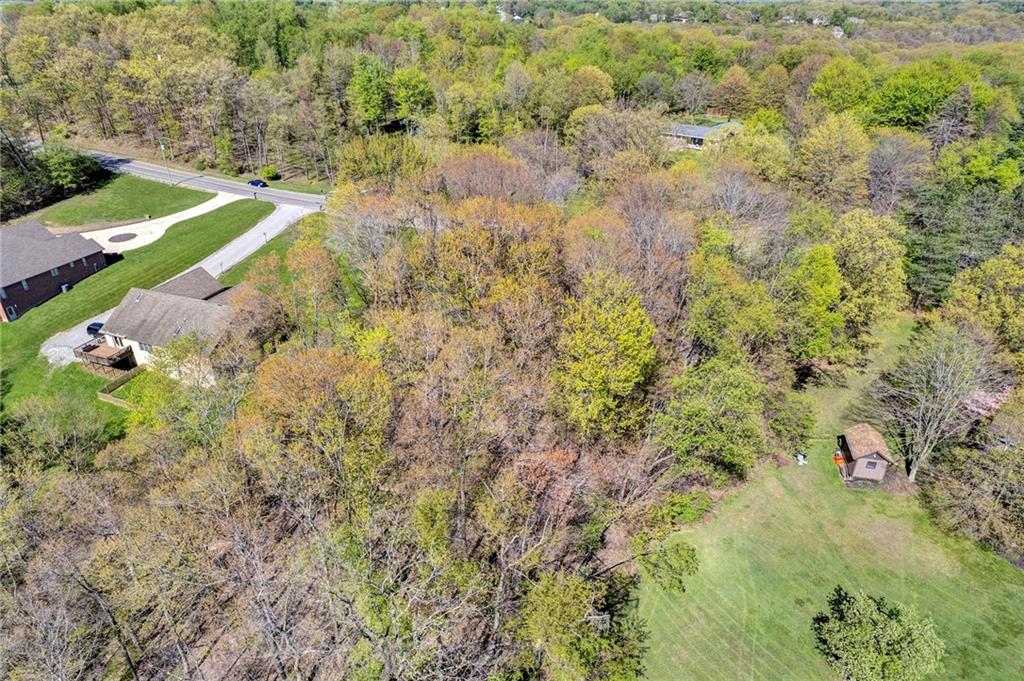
(193, 303)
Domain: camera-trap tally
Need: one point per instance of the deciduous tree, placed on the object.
(938, 389)
(834, 160)
(605, 355)
(868, 638)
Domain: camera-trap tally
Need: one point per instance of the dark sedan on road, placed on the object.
(258, 183)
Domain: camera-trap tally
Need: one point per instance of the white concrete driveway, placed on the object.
(128, 237)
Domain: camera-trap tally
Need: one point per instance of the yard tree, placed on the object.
(767, 153)
(992, 295)
(869, 252)
(732, 95)
(941, 386)
(712, 422)
(812, 315)
(842, 85)
(68, 168)
(563, 624)
(692, 93)
(605, 355)
(833, 160)
(867, 638)
(316, 298)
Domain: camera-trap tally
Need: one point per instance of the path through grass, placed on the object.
(123, 197)
(772, 551)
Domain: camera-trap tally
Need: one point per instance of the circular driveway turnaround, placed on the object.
(116, 240)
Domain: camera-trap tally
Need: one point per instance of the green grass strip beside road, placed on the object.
(184, 244)
(122, 197)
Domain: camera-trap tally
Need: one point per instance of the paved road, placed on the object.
(153, 171)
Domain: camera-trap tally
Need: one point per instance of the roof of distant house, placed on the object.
(197, 283)
(28, 249)
(863, 440)
(157, 318)
(699, 131)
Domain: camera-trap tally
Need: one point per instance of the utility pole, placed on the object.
(163, 152)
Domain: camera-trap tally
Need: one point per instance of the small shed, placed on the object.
(862, 454)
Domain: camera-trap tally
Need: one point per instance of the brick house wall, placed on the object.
(16, 300)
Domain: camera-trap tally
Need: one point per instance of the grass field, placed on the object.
(184, 244)
(771, 552)
(123, 197)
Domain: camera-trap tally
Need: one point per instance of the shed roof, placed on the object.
(28, 249)
(863, 440)
(157, 318)
(198, 284)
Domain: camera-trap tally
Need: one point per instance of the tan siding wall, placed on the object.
(861, 470)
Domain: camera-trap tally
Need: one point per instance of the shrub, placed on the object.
(269, 173)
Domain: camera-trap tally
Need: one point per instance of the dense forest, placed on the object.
(450, 431)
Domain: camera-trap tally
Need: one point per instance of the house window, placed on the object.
(71, 264)
(24, 284)
(55, 272)
(871, 465)
(146, 346)
(11, 312)
(3, 294)
(84, 262)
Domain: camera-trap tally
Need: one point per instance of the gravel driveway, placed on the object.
(59, 348)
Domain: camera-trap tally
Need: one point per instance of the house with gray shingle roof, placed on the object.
(193, 303)
(688, 136)
(36, 265)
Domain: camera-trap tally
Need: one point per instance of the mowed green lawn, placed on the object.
(123, 197)
(184, 244)
(771, 553)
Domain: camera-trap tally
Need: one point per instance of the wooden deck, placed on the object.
(104, 359)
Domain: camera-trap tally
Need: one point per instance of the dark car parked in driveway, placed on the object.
(258, 183)
(95, 328)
